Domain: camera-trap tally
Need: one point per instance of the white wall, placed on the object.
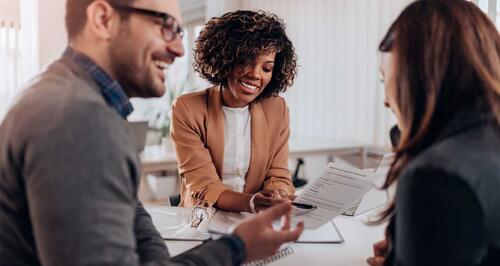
(9, 9)
(52, 32)
(9, 52)
(337, 94)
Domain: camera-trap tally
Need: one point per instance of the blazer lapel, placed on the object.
(259, 153)
(215, 128)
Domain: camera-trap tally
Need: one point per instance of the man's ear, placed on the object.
(102, 20)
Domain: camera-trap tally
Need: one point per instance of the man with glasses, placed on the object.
(69, 172)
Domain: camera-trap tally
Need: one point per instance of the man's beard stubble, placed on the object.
(135, 81)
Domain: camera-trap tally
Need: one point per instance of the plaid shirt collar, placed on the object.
(111, 90)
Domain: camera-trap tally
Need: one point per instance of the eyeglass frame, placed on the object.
(176, 28)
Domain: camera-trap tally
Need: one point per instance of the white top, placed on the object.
(237, 145)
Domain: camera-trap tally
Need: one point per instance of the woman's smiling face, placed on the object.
(245, 84)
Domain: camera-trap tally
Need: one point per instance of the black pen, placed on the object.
(303, 205)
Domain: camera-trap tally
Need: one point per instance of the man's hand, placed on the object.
(380, 250)
(260, 239)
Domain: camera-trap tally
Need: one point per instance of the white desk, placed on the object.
(301, 147)
(156, 158)
(357, 246)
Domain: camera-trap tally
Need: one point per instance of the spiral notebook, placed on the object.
(283, 252)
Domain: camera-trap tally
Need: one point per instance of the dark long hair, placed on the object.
(446, 57)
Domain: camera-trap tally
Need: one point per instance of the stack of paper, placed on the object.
(338, 189)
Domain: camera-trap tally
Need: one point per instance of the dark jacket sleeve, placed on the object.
(150, 244)
(81, 183)
(439, 221)
(228, 250)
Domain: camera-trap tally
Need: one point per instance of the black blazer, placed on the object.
(448, 199)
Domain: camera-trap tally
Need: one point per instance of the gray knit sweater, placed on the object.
(68, 182)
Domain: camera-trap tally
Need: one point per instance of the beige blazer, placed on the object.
(197, 131)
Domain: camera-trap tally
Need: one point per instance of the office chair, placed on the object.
(175, 200)
(297, 181)
(395, 135)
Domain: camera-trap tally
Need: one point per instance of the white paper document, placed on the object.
(375, 197)
(327, 233)
(222, 222)
(337, 190)
(173, 223)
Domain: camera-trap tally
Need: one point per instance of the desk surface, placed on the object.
(157, 158)
(358, 237)
(314, 146)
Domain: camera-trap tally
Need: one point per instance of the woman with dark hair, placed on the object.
(232, 139)
(441, 66)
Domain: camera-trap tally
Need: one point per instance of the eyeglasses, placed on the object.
(170, 27)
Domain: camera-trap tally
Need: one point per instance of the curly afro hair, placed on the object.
(237, 39)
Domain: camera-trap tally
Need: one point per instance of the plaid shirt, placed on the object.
(111, 90)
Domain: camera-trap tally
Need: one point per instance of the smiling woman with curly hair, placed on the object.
(237, 39)
(232, 139)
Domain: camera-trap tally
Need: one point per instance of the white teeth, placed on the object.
(249, 86)
(161, 64)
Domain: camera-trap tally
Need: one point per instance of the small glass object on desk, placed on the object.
(201, 213)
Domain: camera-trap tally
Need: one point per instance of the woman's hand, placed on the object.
(278, 194)
(263, 200)
(380, 250)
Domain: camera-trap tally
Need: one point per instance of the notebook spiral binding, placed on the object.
(279, 255)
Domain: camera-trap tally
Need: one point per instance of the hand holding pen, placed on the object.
(261, 201)
(266, 199)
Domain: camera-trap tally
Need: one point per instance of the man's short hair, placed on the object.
(76, 16)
